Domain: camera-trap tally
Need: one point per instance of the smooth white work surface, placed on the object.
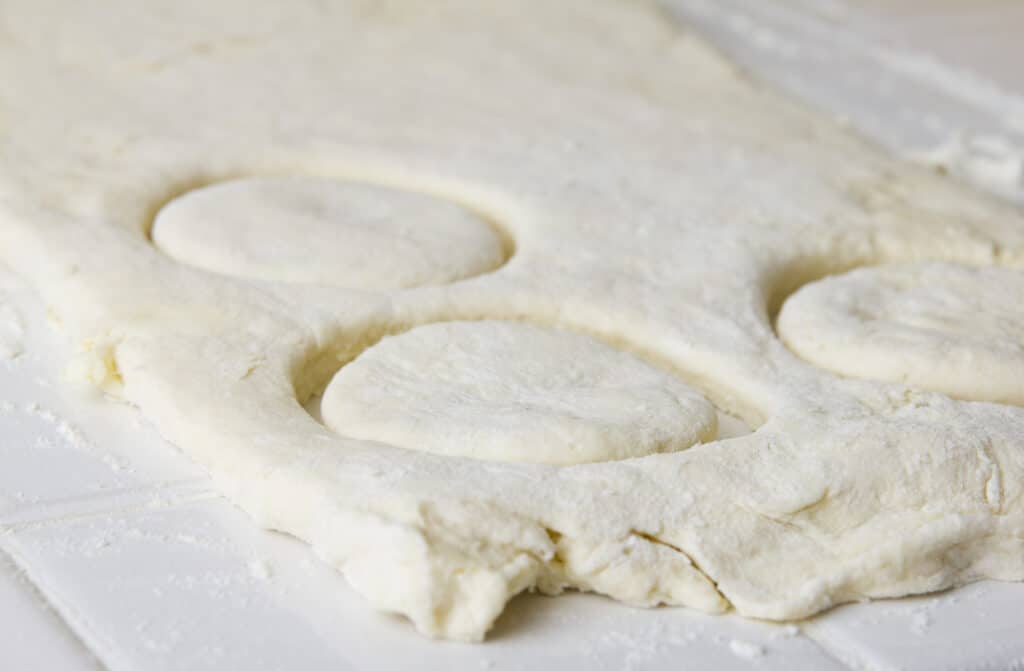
(34, 637)
(115, 553)
(938, 81)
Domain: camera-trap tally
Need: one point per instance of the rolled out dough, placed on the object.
(655, 200)
(938, 326)
(514, 392)
(326, 232)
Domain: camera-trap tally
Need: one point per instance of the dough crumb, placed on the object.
(260, 569)
(745, 649)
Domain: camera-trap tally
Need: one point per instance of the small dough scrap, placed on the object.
(507, 391)
(939, 326)
(310, 230)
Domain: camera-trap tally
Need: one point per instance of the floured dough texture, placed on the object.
(326, 232)
(514, 392)
(651, 199)
(938, 326)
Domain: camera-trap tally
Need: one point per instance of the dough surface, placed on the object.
(326, 232)
(939, 326)
(514, 392)
(656, 201)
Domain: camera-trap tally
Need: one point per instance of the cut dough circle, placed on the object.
(312, 230)
(514, 392)
(939, 326)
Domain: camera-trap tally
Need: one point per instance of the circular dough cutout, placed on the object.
(938, 326)
(507, 391)
(310, 230)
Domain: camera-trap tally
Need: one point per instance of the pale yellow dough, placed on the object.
(325, 232)
(514, 392)
(644, 195)
(938, 326)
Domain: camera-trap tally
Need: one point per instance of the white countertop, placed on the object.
(937, 81)
(116, 553)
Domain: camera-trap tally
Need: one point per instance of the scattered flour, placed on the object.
(745, 649)
(260, 569)
(987, 161)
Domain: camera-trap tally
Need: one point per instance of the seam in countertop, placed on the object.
(58, 511)
(88, 653)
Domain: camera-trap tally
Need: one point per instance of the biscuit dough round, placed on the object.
(507, 391)
(327, 232)
(657, 201)
(944, 327)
